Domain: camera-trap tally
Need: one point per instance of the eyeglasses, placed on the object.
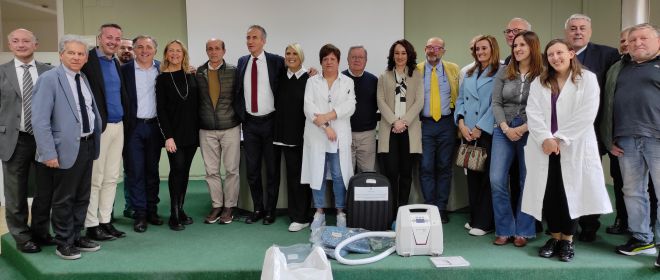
(515, 31)
(434, 48)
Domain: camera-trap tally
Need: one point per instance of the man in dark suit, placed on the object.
(597, 59)
(143, 141)
(17, 79)
(107, 84)
(253, 103)
(67, 130)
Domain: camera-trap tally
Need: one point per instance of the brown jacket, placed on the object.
(414, 104)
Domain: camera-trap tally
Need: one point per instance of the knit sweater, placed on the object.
(366, 110)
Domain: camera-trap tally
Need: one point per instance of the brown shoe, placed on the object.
(501, 240)
(226, 216)
(520, 241)
(214, 216)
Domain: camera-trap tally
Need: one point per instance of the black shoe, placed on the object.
(48, 240)
(98, 234)
(29, 247)
(619, 227)
(110, 229)
(140, 224)
(255, 217)
(444, 216)
(129, 213)
(67, 252)
(175, 224)
(635, 246)
(566, 250)
(269, 218)
(549, 249)
(154, 219)
(185, 219)
(587, 235)
(86, 245)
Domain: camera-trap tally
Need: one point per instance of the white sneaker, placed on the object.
(293, 227)
(341, 219)
(477, 232)
(319, 221)
(467, 226)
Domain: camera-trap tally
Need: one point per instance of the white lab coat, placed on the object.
(316, 142)
(581, 168)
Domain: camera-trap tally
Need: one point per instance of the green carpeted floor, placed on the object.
(236, 251)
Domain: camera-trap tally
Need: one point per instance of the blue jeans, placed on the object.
(502, 154)
(438, 139)
(641, 156)
(338, 188)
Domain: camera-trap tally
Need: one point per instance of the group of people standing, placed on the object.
(534, 114)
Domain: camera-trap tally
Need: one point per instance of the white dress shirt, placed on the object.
(87, 94)
(265, 98)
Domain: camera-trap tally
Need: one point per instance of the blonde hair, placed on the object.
(298, 49)
(185, 62)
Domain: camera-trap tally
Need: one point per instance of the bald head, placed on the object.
(215, 50)
(22, 44)
(515, 26)
(435, 49)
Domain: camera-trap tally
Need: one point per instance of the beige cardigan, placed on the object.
(414, 105)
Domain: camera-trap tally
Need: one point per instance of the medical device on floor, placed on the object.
(418, 232)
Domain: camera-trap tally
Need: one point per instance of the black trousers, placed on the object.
(67, 190)
(141, 157)
(555, 205)
(399, 163)
(16, 173)
(479, 193)
(299, 195)
(180, 163)
(258, 144)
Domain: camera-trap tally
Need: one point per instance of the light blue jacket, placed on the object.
(474, 101)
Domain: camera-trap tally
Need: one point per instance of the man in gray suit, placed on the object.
(18, 147)
(67, 130)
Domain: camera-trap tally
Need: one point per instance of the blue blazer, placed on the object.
(275, 68)
(128, 71)
(474, 101)
(55, 119)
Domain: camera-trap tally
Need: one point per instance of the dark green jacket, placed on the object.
(223, 116)
(606, 128)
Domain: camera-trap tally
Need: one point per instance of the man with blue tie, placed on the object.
(17, 151)
(67, 130)
(597, 59)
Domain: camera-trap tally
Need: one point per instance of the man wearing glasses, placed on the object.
(438, 129)
(515, 26)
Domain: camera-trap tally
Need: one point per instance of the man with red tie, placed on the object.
(253, 103)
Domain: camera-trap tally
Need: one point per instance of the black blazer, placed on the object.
(92, 70)
(598, 59)
(128, 71)
(275, 68)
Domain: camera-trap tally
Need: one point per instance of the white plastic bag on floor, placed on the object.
(296, 262)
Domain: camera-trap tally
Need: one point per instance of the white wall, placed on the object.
(376, 24)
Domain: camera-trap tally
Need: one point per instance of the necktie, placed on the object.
(435, 96)
(83, 107)
(254, 106)
(27, 98)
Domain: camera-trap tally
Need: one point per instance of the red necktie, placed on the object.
(254, 106)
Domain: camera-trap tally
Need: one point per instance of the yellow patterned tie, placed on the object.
(435, 96)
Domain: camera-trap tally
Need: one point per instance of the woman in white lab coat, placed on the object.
(564, 174)
(329, 104)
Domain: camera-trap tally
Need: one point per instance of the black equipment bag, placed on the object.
(369, 202)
